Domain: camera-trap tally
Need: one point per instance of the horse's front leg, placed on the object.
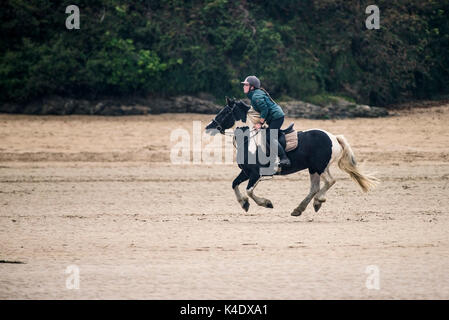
(253, 180)
(243, 200)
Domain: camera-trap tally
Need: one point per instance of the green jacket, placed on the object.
(262, 103)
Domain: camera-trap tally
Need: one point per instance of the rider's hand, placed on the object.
(257, 126)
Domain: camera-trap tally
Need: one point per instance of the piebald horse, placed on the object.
(316, 151)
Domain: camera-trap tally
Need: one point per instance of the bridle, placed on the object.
(223, 132)
(219, 125)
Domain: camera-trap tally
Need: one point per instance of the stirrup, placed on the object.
(286, 165)
(276, 170)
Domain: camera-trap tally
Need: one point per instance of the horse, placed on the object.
(317, 149)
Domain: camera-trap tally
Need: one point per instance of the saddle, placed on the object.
(288, 138)
(289, 129)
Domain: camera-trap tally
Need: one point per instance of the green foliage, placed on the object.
(120, 67)
(304, 49)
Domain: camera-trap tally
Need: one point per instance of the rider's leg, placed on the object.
(277, 124)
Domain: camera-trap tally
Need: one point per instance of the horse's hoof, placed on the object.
(245, 206)
(317, 206)
(268, 204)
(296, 213)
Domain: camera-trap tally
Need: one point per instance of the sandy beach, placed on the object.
(100, 194)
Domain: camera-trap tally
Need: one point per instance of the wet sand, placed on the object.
(100, 193)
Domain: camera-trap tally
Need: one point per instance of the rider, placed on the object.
(270, 112)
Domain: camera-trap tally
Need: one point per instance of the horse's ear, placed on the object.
(228, 101)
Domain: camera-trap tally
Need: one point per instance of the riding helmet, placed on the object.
(253, 81)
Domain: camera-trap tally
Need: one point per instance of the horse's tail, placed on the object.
(348, 164)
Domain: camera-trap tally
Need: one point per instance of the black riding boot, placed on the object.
(284, 160)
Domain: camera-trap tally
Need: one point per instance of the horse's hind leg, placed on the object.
(314, 188)
(243, 200)
(253, 181)
(320, 198)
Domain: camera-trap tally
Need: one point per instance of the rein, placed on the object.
(250, 136)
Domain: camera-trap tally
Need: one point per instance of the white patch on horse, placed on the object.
(240, 198)
(252, 147)
(255, 140)
(336, 147)
(259, 200)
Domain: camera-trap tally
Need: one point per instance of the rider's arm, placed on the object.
(262, 107)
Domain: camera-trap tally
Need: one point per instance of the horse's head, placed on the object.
(226, 118)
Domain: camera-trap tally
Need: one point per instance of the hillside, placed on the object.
(299, 49)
